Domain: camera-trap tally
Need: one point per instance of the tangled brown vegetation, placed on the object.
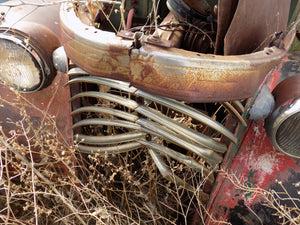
(41, 184)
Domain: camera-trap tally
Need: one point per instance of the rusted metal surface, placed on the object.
(37, 25)
(247, 32)
(46, 112)
(171, 72)
(225, 11)
(195, 77)
(95, 51)
(257, 165)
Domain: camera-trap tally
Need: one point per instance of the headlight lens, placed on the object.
(20, 63)
(288, 134)
(283, 128)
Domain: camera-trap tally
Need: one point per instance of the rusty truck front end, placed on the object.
(194, 81)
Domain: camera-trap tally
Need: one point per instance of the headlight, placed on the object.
(28, 37)
(283, 126)
(21, 64)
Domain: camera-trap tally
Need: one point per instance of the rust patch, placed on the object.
(172, 72)
(194, 85)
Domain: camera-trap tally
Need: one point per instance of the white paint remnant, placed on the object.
(256, 130)
(267, 163)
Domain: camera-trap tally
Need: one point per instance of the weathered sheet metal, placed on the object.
(225, 11)
(169, 72)
(95, 51)
(254, 169)
(194, 77)
(248, 33)
(239, 194)
(45, 115)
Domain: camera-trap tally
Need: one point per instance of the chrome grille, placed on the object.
(115, 117)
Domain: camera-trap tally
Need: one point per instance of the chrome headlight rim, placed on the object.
(280, 115)
(28, 44)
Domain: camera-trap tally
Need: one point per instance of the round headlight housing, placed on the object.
(28, 37)
(22, 66)
(284, 128)
(283, 125)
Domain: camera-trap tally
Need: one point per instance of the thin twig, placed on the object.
(42, 177)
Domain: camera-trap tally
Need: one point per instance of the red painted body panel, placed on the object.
(254, 172)
(257, 166)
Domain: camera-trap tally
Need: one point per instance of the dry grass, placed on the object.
(41, 184)
(284, 207)
(43, 180)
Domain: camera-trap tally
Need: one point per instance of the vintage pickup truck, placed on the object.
(213, 85)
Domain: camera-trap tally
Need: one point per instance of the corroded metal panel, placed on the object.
(170, 72)
(248, 33)
(239, 193)
(195, 77)
(95, 51)
(254, 170)
(44, 115)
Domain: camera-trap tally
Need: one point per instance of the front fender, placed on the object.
(37, 123)
(257, 182)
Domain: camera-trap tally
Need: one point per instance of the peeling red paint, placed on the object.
(268, 162)
(258, 165)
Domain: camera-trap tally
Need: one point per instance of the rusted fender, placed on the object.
(39, 24)
(194, 77)
(169, 72)
(45, 116)
(95, 51)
